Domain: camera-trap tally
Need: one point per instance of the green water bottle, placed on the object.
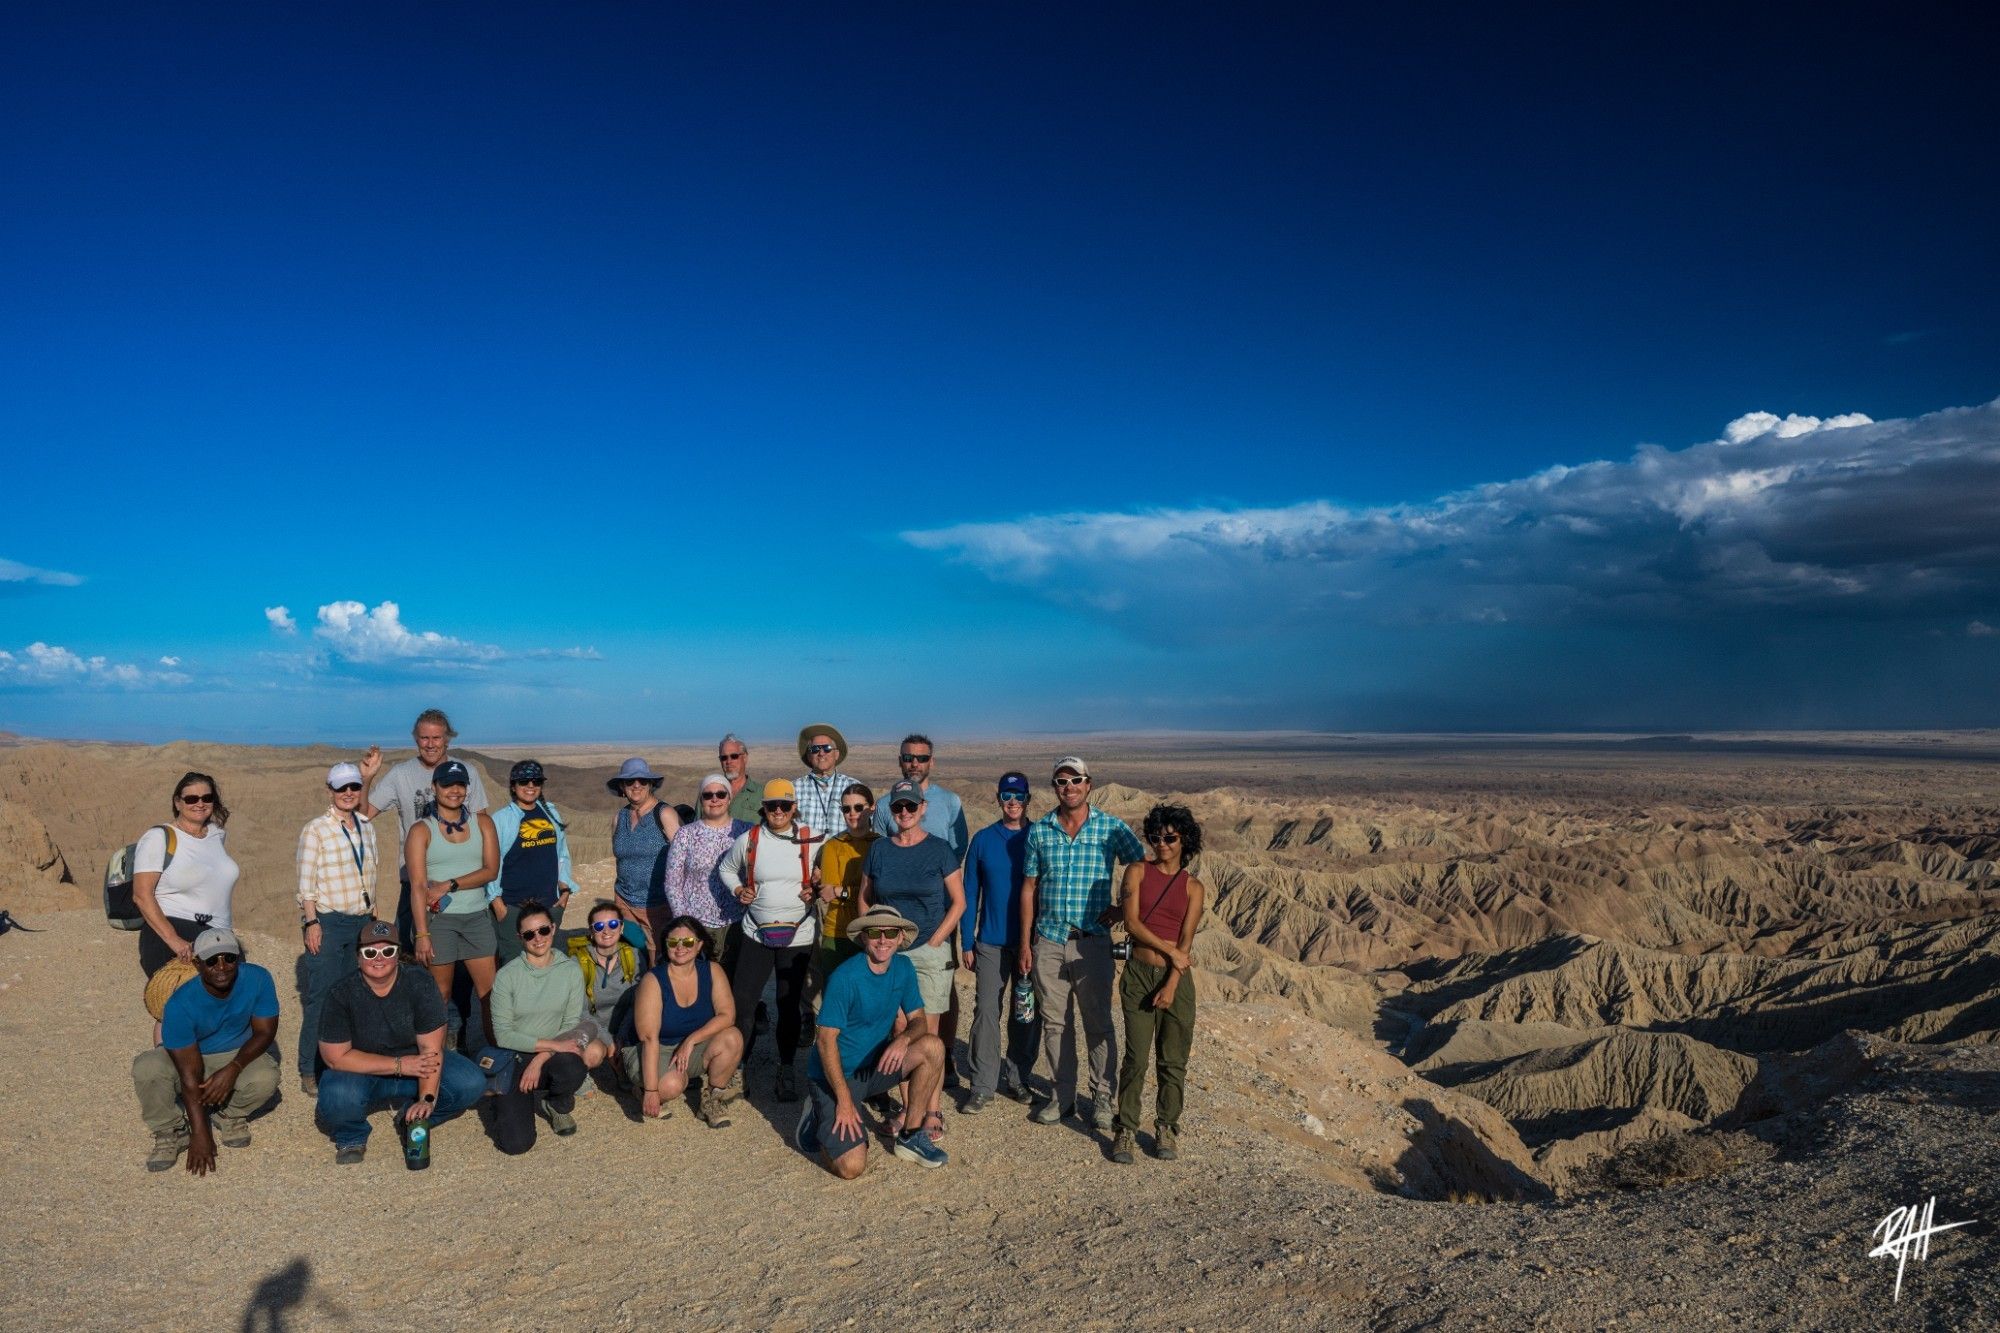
(416, 1144)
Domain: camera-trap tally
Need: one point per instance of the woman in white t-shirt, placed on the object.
(185, 895)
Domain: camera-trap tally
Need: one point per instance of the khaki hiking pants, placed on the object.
(159, 1087)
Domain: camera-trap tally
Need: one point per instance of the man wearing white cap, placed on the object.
(211, 1069)
(337, 878)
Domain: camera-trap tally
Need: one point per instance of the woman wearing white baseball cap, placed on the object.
(337, 875)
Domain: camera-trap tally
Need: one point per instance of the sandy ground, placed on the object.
(628, 1223)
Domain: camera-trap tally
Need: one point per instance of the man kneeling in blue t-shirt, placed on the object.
(871, 1038)
(213, 1057)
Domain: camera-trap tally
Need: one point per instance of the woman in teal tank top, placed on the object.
(453, 854)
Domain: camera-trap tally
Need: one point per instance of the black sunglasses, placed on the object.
(898, 807)
(537, 932)
(715, 796)
(854, 809)
(780, 805)
(197, 798)
(914, 758)
(213, 959)
(348, 786)
(731, 758)
(821, 749)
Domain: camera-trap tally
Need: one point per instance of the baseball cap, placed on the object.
(342, 774)
(1014, 784)
(780, 789)
(906, 790)
(378, 932)
(451, 773)
(1073, 764)
(215, 940)
(528, 770)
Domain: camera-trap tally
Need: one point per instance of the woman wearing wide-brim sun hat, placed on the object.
(640, 834)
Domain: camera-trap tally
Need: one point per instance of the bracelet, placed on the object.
(652, 1089)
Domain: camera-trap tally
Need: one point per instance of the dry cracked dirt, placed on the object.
(1564, 1033)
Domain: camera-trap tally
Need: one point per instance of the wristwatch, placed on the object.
(428, 1097)
(308, 922)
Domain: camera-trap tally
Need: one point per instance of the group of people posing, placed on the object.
(852, 914)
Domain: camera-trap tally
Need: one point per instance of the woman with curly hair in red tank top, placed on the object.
(1162, 904)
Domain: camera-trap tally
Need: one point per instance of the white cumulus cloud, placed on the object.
(46, 664)
(356, 633)
(280, 620)
(1795, 516)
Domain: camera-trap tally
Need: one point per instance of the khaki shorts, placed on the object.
(457, 936)
(933, 963)
(631, 1058)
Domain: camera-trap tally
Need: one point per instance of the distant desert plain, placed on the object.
(1564, 1032)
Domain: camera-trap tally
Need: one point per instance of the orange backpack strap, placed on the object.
(750, 861)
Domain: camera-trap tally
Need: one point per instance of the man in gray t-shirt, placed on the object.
(408, 790)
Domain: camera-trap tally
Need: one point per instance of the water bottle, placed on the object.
(1024, 1000)
(417, 1144)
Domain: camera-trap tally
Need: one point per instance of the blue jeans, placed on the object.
(345, 1099)
(339, 933)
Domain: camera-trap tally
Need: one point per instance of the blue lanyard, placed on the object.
(353, 847)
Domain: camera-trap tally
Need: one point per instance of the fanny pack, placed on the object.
(779, 934)
(501, 1067)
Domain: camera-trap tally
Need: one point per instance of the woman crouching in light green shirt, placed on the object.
(537, 1006)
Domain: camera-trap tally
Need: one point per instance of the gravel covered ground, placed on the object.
(627, 1223)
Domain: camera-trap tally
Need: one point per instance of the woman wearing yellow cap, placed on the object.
(770, 869)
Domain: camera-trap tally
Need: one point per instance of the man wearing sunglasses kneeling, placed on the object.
(871, 1038)
(382, 1039)
(213, 1057)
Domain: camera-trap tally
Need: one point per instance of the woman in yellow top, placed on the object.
(838, 877)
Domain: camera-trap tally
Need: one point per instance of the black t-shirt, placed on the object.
(382, 1024)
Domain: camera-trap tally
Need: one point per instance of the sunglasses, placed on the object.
(372, 951)
(1072, 782)
(881, 932)
(682, 942)
(538, 932)
(730, 758)
(527, 782)
(213, 959)
(901, 807)
(914, 758)
(348, 786)
(636, 782)
(197, 798)
(1018, 797)
(1163, 837)
(854, 809)
(715, 796)
(821, 749)
(781, 805)
(612, 924)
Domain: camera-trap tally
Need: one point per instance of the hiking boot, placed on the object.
(788, 1084)
(976, 1103)
(805, 1136)
(1050, 1112)
(1103, 1118)
(167, 1149)
(351, 1155)
(1122, 1148)
(1166, 1145)
(916, 1146)
(1015, 1092)
(308, 1085)
(711, 1110)
(231, 1133)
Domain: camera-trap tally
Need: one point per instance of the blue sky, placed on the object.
(611, 371)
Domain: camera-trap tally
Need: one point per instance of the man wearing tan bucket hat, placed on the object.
(871, 1038)
(823, 750)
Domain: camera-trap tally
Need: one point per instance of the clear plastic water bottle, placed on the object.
(1024, 1000)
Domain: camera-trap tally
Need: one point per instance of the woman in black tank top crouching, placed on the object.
(1162, 905)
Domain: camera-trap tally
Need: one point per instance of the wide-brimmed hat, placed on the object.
(822, 729)
(880, 915)
(634, 767)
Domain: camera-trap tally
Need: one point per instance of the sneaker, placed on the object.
(308, 1085)
(350, 1155)
(1015, 1092)
(231, 1133)
(1166, 1145)
(788, 1084)
(562, 1122)
(1122, 1148)
(976, 1103)
(916, 1146)
(1103, 1118)
(711, 1111)
(806, 1136)
(1050, 1112)
(167, 1149)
